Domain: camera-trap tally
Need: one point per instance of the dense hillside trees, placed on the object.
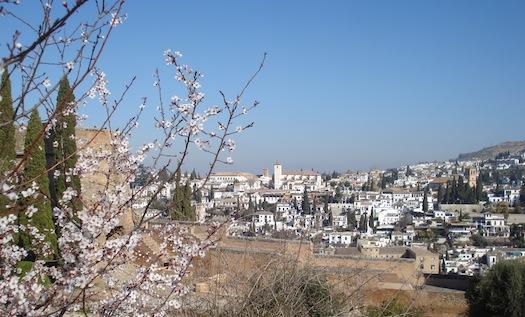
(459, 192)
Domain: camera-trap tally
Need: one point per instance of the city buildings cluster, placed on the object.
(466, 213)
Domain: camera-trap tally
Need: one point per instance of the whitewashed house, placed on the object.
(346, 238)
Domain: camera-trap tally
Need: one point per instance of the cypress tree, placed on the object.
(250, 205)
(7, 127)
(181, 208)
(177, 212)
(425, 199)
(470, 195)
(383, 182)
(197, 194)
(338, 194)
(408, 171)
(449, 193)
(238, 207)
(350, 219)
(211, 194)
(65, 146)
(42, 219)
(522, 195)
(188, 210)
(7, 132)
(461, 191)
(441, 194)
(264, 204)
(306, 203)
(454, 189)
(479, 189)
(363, 222)
(371, 219)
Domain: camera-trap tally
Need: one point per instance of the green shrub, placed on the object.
(500, 292)
(392, 308)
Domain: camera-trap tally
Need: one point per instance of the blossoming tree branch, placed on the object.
(72, 236)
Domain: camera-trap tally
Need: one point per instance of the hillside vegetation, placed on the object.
(490, 152)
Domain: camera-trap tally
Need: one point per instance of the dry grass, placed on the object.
(280, 286)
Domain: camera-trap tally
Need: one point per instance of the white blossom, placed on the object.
(230, 144)
(95, 255)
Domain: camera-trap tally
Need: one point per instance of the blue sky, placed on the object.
(347, 84)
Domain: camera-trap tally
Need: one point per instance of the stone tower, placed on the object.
(277, 175)
(471, 173)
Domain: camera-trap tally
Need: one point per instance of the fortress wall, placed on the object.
(401, 271)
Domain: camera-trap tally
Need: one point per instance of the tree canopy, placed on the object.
(7, 132)
(500, 292)
(181, 208)
(65, 155)
(41, 219)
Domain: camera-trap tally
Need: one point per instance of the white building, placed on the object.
(388, 216)
(295, 180)
(492, 225)
(240, 180)
(262, 218)
(446, 216)
(345, 238)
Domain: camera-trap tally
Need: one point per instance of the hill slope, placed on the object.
(491, 151)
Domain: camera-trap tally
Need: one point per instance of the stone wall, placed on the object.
(470, 208)
(103, 177)
(401, 271)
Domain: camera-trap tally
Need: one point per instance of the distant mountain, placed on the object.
(490, 152)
